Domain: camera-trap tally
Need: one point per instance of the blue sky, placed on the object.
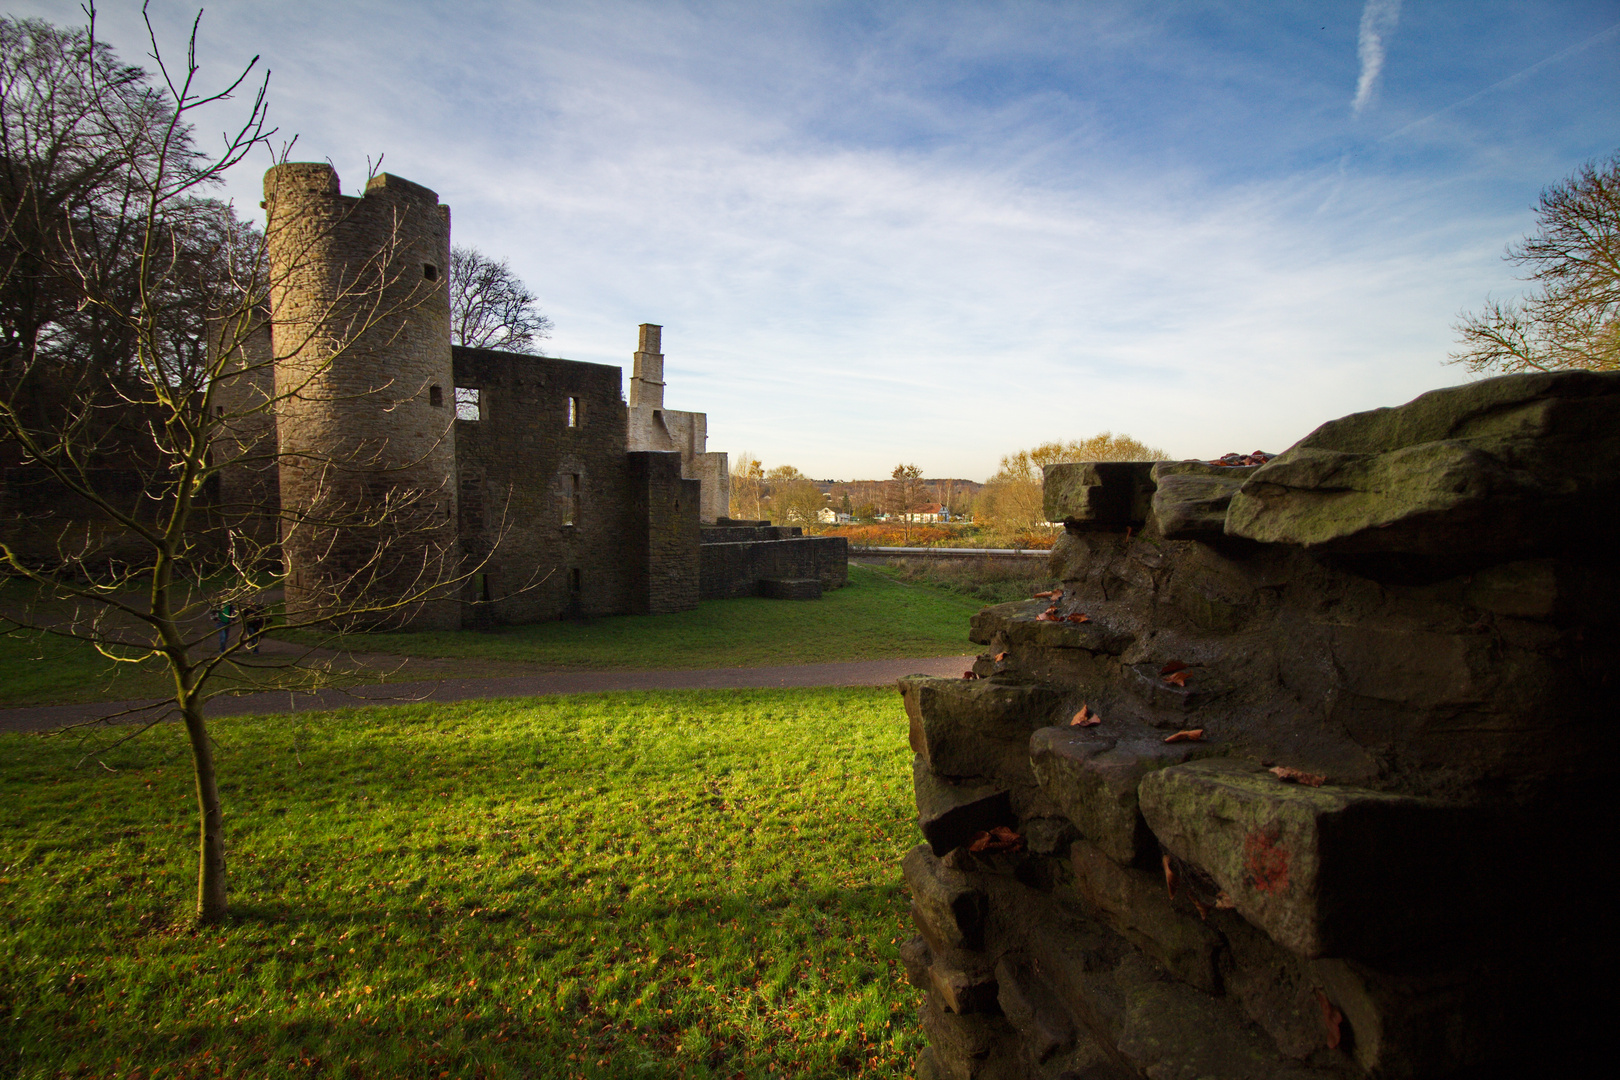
(941, 232)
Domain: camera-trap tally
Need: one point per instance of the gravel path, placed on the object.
(855, 673)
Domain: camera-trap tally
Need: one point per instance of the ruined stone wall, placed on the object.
(361, 331)
(661, 535)
(1303, 774)
(543, 487)
(737, 568)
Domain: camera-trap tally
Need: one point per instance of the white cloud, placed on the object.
(1378, 21)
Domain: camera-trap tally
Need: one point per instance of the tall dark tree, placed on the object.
(490, 307)
(1571, 317)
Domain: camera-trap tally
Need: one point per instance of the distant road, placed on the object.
(439, 691)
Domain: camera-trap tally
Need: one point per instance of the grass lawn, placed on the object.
(700, 884)
(875, 617)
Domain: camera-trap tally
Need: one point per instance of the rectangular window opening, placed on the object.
(436, 397)
(469, 405)
(571, 499)
(573, 580)
(575, 412)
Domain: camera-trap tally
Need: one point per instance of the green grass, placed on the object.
(874, 617)
(699, 884)
(980, 581)
(38, 668)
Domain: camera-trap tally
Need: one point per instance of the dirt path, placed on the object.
(853, 673)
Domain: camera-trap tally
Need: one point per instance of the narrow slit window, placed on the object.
(573, 580)
(575, 412)
(469, 403)
(571, 499)
(436, 397)
(430, 272)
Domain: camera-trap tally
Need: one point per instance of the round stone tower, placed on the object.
(360, 327)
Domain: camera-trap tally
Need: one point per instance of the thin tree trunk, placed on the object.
(211, 843)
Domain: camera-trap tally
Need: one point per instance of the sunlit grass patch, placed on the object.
(872, 618)
(663, 884)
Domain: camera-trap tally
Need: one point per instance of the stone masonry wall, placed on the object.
(361, 332)
(736, 569)
(661, 535)
(1303, 774)
(542, 503)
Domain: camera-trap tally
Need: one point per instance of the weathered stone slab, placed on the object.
(1099, 493)
(1092, 774)
(950, 814)
(1486, 469)
(946, 907)
(1033, 1009)
(963, 990)
(1137, 905)
(1190, 498)
(1026, 630)
(1326, 871)
(968, 727)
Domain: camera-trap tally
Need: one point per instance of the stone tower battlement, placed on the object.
(360, 316)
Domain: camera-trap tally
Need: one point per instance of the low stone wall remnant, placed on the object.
(1303, 773)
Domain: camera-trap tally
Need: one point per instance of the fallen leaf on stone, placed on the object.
(999, 838)
(1051, 594)
(1171, 667)
(1192, 735)
(1223, 902)
(1079, 617)
(1047, 616)
(1085, 717)
(1000, 656)
(970, 674)
(1169, 877)
(1178, 678)
(1297, 776)
(1200, 907)
(1331, 1019)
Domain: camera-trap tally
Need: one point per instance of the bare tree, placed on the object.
(490, 307)
(1571, 318)
(128, 431)
(906, 493)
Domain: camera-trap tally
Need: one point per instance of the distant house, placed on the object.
(829, 516)
(929, 512)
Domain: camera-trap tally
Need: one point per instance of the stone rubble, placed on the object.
(1383, 856)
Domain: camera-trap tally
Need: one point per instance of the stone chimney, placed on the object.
(647, 377)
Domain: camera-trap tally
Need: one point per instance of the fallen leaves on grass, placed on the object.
(1297, 776)
(1190, 735)
(1085, 717)
(999, 838)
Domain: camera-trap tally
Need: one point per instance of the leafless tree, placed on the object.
(1571, 318)
(116, 273)
(490, 307)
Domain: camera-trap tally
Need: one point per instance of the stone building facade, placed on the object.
(394, 462)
